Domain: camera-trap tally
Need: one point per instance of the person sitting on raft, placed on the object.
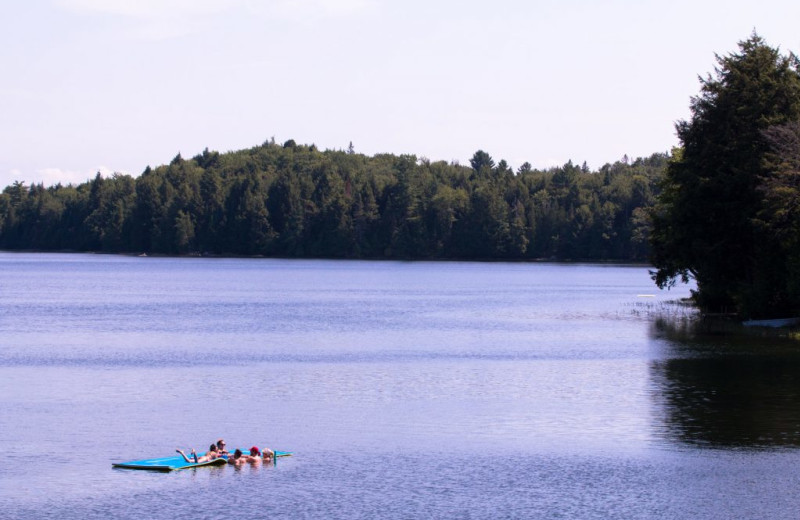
(221, 448)
(212, 454)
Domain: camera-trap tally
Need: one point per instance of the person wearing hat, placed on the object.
(255, 455)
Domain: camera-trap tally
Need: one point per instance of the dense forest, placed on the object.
(295, 200)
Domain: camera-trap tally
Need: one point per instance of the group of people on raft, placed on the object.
(216, 451)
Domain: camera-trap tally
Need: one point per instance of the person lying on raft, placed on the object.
(213, 453)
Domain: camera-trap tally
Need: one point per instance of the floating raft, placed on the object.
(776, 324)
(178, 462)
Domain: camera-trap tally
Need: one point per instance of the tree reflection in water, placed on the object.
(725, 390)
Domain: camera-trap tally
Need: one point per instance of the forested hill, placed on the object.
(297, 201)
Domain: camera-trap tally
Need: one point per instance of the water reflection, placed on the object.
(725, 391)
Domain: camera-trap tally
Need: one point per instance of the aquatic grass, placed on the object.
(682, 320)
(675, 310)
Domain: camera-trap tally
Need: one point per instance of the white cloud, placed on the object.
(8, 177)
(53, 176)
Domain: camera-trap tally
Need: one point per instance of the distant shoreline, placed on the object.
(375, 259)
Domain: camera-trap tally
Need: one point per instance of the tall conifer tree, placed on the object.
(704, 226)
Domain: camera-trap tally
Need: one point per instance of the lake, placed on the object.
(404, 389)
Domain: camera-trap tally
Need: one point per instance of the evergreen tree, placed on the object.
(481, 162)
(704, 225)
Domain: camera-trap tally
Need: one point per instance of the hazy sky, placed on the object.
(116, 85)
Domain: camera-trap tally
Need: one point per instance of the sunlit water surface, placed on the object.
(405, 390)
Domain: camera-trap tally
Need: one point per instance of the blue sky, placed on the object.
(113, 85)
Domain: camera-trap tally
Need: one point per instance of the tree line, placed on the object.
(290, 200)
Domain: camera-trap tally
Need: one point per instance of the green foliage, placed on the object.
(779, 215)
(706, 225)
(293, 200)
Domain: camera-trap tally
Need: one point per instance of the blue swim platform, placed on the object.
(177, 462)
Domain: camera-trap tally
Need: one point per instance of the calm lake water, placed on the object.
(406, 390)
